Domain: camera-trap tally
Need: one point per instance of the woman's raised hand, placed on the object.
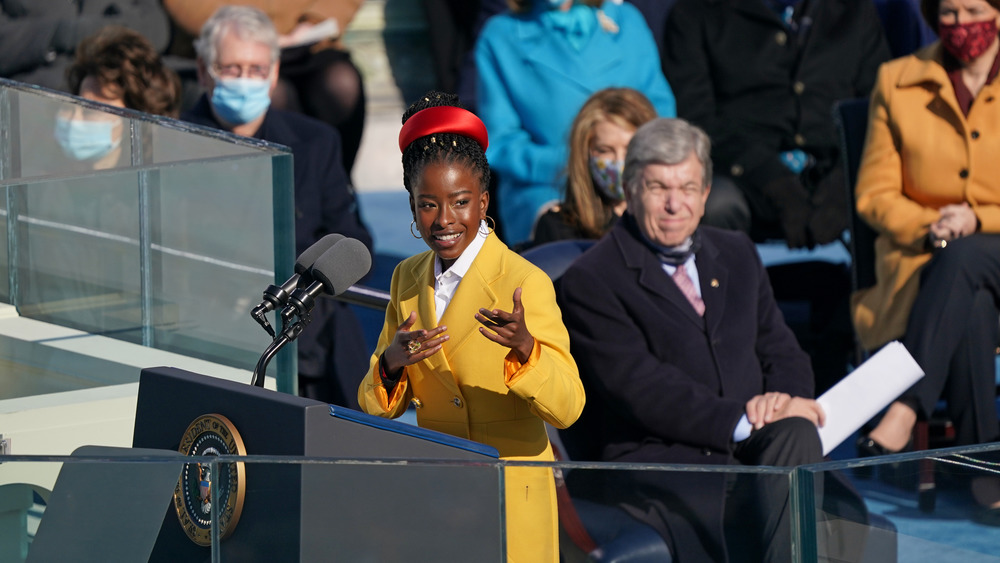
(508, 329)
(409, 347)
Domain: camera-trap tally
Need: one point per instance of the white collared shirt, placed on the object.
(445, 283)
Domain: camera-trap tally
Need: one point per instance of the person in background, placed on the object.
(761, 77)
(317, 76)
(120, 67)
(472, 333)
(536, 67)
(655, 12)
(38, 38)
(598, 138)
(452, 27)
(929, 184)
(238, 66)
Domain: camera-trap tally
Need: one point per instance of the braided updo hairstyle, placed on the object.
(441, 147)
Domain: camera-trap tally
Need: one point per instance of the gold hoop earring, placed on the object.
(489, 228)
(413, 223)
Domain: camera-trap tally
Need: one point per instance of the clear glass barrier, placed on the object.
(923, 506)
(139, 228)
(318, 503)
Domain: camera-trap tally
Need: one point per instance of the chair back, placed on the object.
(555, 257)
(851, 118)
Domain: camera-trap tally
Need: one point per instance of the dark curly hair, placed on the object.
(127, 62)
(441, 147)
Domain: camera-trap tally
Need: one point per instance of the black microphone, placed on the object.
(337, 269)
(277, 296)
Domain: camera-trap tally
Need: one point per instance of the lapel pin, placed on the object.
(714, 282)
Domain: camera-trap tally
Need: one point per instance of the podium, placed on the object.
(412, 505)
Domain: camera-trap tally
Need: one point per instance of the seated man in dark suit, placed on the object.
(686, 358)
(238, 67)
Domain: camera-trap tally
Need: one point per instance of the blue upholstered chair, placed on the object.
(604, 533)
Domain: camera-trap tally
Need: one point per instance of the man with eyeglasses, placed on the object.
(238, 59)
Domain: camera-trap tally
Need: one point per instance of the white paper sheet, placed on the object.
(866, 391)
(326, 29)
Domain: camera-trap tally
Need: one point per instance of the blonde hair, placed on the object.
(583, 206)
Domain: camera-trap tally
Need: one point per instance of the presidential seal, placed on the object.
(210, 435)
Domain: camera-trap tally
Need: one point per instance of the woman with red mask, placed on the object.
(929, 184)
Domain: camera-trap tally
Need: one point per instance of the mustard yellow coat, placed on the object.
(474, 390)
(921, 153)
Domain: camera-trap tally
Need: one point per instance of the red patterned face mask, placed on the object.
(966, 41)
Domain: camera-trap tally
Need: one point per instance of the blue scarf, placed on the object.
(673, 255)
(577, 24)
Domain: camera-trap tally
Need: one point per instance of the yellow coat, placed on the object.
(921, 153)
(471, 388)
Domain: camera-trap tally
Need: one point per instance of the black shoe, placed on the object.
(870, 448)
(866, 447)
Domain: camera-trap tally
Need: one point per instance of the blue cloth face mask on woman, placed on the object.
(607, 176)
(85, 140)
(241, 100)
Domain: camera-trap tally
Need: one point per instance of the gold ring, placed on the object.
(413, 346)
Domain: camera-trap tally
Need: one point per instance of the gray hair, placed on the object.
(247, 23)
(666, 141)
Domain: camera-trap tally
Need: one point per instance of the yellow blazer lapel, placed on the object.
(419, 296)
(475, 291)
(416, 288)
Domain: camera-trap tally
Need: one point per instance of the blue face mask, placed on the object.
(241, 100)
(85, 140)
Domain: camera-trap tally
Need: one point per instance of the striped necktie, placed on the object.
(686, 286)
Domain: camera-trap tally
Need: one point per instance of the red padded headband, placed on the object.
(443, 119)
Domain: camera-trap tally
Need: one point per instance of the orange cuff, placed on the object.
(386, 399)
(513, 369)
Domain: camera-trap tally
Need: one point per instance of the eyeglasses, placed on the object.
(260, 72)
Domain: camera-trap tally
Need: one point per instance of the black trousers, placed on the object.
(757, 511)
(717, 516)
(328, 86)
(952, 333)
(452, 27)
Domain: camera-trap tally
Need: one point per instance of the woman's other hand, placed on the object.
(508, 329)
(959, 219)
(409, 347)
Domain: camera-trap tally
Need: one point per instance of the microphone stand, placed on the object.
(289, 332)
(274, 297)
